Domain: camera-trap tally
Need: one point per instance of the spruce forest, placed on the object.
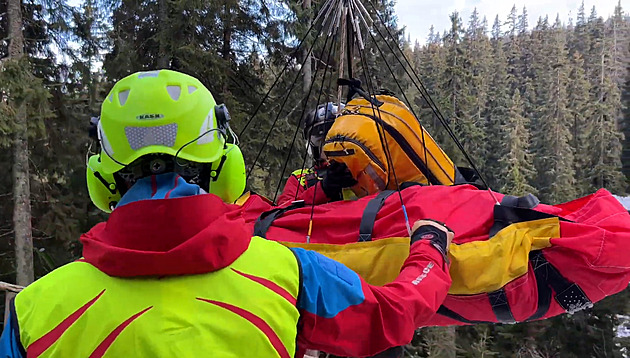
(541, 108)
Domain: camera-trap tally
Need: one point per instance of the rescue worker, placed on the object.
(323, 181)
(174, 273)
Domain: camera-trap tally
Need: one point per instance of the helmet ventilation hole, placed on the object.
(148, 74)
(174, 92)
(122, 97)
(191, 89)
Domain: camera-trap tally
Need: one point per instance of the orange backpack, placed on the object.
(360, 136)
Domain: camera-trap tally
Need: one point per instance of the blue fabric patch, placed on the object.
(169, 182)
(9, 345)
(328, 287)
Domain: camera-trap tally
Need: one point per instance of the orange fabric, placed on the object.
(357, 137)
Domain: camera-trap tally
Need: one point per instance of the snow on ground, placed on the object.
(624, 200)
(623, 329)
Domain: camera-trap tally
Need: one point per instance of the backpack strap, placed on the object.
(266, 219)
(369, 215)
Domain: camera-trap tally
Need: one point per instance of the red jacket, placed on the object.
(189, 234)
(303, 185)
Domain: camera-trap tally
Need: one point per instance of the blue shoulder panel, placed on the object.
(328, 287)
(10, 345)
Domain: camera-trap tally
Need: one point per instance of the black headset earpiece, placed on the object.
(93, 129)
(223, 116)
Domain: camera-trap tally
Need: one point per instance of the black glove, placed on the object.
(337, 177)
(437, 237)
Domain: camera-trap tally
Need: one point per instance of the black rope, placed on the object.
(301, 118)
(309, 233)
(286, 65)
(319, 96)
(383, 137)
(425, 95)
(273, 125)
(391, 71)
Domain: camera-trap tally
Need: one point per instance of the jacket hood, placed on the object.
(167, 227)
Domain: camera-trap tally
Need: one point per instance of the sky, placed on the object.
(418, 15)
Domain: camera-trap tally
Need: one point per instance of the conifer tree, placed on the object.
(553, 152)
(456, 78)
(22, 110)
(475, 68)
(619, 32)
(21, 176)
(497, 109)
(581, 124)
(606, 169)
(605, 96)
(517, 162)
(432, 69)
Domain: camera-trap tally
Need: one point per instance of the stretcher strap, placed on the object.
(540, 265)
(505, 216)
(369, 215)
(501, 306)
(528, 201)
(549, 281)
(266, 219)
(568, 294)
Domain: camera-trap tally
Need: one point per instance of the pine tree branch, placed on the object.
(4, 286)
(7, 233)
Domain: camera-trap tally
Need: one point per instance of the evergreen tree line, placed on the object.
(540, 110)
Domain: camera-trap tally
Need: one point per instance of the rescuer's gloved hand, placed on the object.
(436, 232)
(337, 177)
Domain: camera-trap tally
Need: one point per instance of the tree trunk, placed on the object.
(22, 202)
(21, 185)
(16, 37)
(227, 44)
(227, 32)
(163, 57)
(308, 71)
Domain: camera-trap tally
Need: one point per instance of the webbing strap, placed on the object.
(528, 201)
(501, 306)
(505, 216)
(568, 294)
(369, 215)
(541, 267)
(266, 219)
(548, 281)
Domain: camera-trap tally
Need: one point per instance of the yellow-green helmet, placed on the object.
(158, 112)
(162, 112)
